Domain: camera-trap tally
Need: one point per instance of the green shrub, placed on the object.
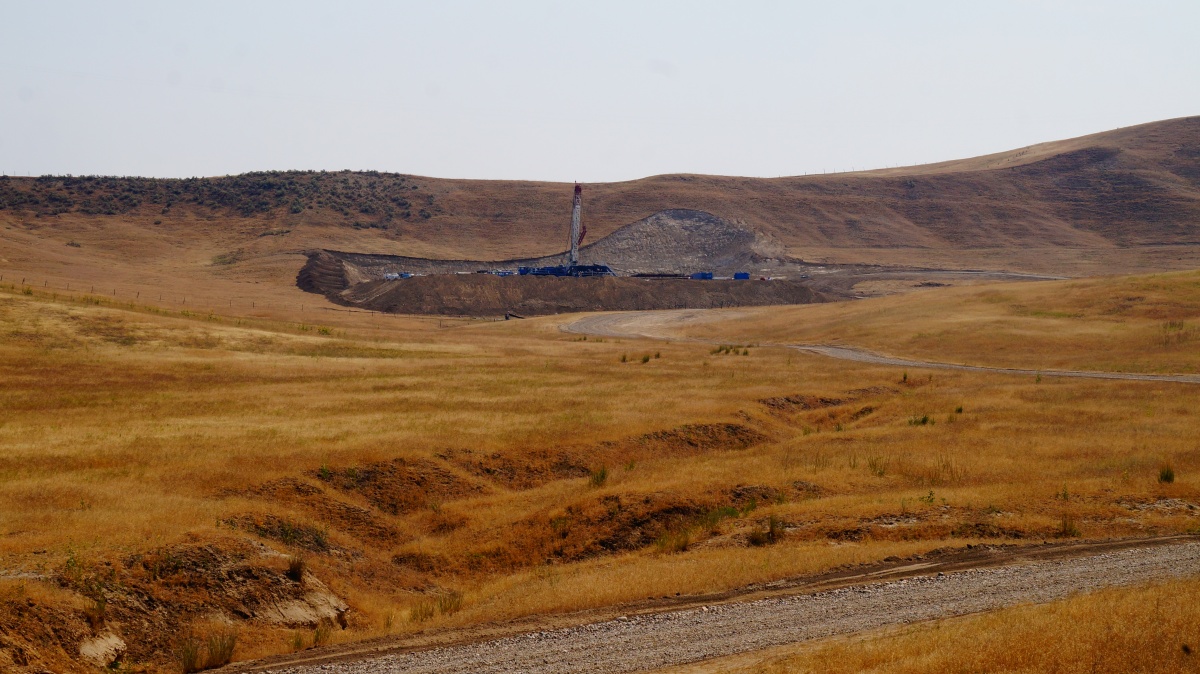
(599, 476)
(1166, 474)
(711, 519)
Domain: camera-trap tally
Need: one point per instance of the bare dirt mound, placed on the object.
(488, 295)
(676, 241)
(672, 242)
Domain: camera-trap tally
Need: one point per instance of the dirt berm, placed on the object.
(488, 295)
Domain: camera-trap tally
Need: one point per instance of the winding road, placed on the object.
(654, 635)
(653, 640)
(658, 325)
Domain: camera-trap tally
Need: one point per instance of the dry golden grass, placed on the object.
(1145, 629)
(1129, 324)
(125, 430)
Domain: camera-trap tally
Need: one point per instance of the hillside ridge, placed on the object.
(1087, 205)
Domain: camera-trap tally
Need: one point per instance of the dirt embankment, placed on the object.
(637, 642)
(488, 295)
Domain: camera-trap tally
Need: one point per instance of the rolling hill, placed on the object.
(1120, 201)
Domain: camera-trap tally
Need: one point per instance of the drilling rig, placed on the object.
(572, 268)
(577, 233)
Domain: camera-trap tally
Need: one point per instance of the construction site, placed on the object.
(673, 259)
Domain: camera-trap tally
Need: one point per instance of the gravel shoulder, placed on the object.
(657, 325)
(635, 643)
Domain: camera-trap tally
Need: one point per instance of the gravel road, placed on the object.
(647, 642)
(657, 325)
(651, 641)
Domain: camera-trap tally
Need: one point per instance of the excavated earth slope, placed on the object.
(669, 242)
(488, 295)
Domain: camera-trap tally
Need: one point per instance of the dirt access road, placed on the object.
(658, 324)
(651, 640)
(656, 634)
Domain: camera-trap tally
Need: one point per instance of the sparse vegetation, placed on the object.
(220, 649)
(190, 652)
(449, 603)
(1166, 474)
(1067, 527)
(770, 532)
(731, 350)
(226, 432)
(675, 541)
(323, 633)
(422, 611)
(227, 258)
(295, 569)
(1140, 629)
(878, 465)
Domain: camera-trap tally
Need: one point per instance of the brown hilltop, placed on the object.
(1124, 200)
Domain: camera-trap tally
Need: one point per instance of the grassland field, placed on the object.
(166, 472)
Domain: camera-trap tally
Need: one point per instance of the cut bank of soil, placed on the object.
(489, 295)
(646, 639)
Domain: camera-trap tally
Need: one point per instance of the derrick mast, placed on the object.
(576, 232)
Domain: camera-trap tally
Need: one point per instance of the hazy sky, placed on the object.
(590, 91)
